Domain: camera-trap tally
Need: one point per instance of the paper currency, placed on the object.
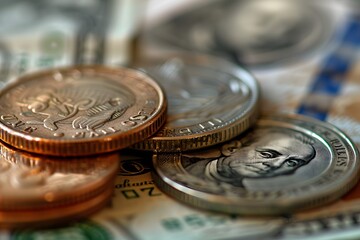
(42, 34)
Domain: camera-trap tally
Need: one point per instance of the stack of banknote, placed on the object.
(234, 73)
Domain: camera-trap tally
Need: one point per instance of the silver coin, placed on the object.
(286, 163)
(210, 101)
(249, 31)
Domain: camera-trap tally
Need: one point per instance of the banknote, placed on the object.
(139, 210)
(44, 34)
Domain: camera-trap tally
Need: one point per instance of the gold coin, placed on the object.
(80, 110)
(30, 182)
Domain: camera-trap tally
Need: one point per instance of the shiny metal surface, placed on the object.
(285, 164)
(210, 101)
(80, 110)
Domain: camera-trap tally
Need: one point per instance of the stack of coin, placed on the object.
(76, 115)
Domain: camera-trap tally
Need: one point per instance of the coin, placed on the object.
(31, 182)
(210, 101)
(248, 32)
(51, 217)
(285, 164)
(80, 110)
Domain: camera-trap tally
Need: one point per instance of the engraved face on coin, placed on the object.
(284, 164)
(29, 182)
(264, 153)
(210, 101)
(250, 31)
(80, 110)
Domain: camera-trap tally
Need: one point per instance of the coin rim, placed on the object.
(221, 204)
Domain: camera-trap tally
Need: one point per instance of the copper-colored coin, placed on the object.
(31, 182)
(54, 216)
(80, 110)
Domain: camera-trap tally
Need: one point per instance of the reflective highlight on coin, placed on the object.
(80, 110)
(210, 101)
(284, 164)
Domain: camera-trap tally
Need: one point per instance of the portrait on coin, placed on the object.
(263, 153)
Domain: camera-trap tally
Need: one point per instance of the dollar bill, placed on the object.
(43, 34)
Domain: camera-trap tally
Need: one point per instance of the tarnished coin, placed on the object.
(210, 101)
(284, 164)
(80, 110)
(30, 182)
(249, 31)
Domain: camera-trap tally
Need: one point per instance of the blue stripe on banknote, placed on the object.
(332, 76)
